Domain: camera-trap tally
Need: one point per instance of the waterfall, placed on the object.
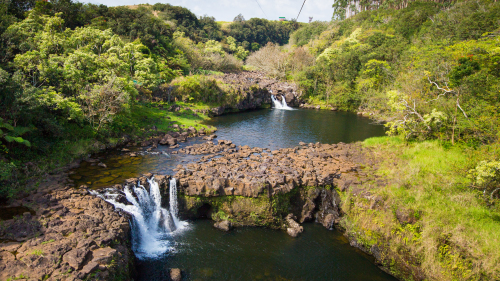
(280, 105)
(151, 224)
(173, 200)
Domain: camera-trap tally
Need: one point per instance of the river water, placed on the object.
(204, 253)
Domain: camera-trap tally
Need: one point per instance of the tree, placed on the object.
(101, 102)
(239, 18)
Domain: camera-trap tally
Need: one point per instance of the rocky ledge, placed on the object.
(240, 185)
(68, 235)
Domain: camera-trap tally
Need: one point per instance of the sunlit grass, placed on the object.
(457, 234)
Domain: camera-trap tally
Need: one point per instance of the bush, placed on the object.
(271, 60)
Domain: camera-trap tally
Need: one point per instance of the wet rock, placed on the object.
(224, 225)
(293, 229)
(211, 137)
(102, 165)
(328, 221)
(175, 274)
(133, 155)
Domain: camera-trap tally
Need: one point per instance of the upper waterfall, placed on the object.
(280, 105)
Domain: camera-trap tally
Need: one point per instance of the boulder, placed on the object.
(76, 257)
(293, 229)
(224, 225)
(192, 130)
(175, 274)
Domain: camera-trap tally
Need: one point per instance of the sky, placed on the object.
(226, 10)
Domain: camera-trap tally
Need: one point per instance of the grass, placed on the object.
(137, 123)
(456, 235)
(37, 252)
(47, 242)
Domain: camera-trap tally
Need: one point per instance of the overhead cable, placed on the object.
(297, 19)
(261, 9)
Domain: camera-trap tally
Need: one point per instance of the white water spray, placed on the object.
(280, 105)
(151, 223)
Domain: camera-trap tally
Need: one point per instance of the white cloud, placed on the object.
(226, 10)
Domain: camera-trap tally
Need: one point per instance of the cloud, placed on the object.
(226, 10)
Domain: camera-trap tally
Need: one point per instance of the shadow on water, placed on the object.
(206, 253)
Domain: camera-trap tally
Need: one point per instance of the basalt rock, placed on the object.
(71, 235)
(224, 225)
(175, 274)
(304, 178)
(245, 171)
(293, 229)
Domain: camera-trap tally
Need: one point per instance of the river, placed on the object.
(204, 253)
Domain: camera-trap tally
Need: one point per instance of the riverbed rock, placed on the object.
(224, 225)
(175, 274)
(293, 229)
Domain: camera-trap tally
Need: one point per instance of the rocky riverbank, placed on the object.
(64, 234)
(72, 235)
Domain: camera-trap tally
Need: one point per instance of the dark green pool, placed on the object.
(205, 253)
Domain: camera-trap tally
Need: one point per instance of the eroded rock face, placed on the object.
(260, 187)
(254, 90)
(72, 235)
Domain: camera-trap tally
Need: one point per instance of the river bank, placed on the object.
(358, 192)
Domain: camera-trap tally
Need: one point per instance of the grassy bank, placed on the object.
(427, 222)
(143, 120)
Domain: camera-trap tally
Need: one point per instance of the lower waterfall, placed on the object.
(151, 224)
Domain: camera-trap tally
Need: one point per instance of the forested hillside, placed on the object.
(430, 69)
(430, 72)
(77, 77)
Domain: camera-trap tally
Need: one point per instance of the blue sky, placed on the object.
(226, 10)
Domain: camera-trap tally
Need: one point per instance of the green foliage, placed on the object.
(409, 66)
(303, 35)
(423, 177)
(486, 176)
(465, 67)
(261, 31)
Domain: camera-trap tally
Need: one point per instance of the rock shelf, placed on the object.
(252, 172)
(71, 236)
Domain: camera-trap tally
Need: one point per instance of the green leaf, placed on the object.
(6, 126)
(18, 140)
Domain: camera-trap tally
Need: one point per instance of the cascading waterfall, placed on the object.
(174, 211)
(280, 105)
(151, 224)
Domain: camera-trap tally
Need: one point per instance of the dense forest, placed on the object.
(75, 77)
